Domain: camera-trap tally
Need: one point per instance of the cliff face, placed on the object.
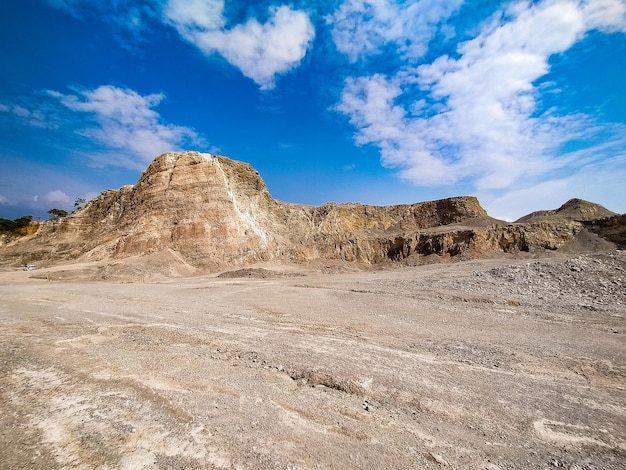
(215, 212)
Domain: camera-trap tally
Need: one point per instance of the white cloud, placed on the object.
(484, 128)
(192, 16)
(68, 5)
(130, 15)
(124, 121)
(605, 15)
(20, 111)
(260, 51)
(369, 101)
(30, 117)
(57, 197)
(363, 27)
(3, 200)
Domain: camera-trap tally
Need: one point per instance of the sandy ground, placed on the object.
(474, 365)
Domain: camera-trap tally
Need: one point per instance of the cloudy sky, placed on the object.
(521, 103)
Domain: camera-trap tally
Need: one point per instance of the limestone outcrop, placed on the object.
(214, 212)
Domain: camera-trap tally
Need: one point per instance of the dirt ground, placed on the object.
(517, 364)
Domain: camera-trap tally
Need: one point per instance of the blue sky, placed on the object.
(521, 103)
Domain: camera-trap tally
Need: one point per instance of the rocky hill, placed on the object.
(574, 209)
(209, 212)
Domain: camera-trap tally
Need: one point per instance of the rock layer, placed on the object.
(216, 212)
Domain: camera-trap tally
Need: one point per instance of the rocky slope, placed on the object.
(211, 212)
(612, 229)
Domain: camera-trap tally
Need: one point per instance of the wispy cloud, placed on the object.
(114, 126)
(69, 6)
(606, 15)
(25, 115)
(123, 125)
(192, 16)
(128, 16)
(474, 117)
(260, 50)
(364, 27)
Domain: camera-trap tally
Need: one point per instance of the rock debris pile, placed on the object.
(593, 281)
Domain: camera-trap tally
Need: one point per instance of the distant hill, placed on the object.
(574, 209)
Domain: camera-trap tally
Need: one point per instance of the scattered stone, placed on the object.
(438, 459)
(491, 466)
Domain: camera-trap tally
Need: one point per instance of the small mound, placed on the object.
(587, 242)
(158, 266)
(611, 228)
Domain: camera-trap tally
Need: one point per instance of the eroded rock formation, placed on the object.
(215, 212)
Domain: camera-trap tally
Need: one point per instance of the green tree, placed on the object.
(6, 225)
(79, 203)
(57, 213)
(23, 221)
(13, 226)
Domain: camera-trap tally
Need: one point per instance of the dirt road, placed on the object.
(475, 365)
